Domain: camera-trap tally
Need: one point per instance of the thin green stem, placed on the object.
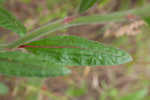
(93, 19)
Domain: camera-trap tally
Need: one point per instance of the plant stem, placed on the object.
(93, 19)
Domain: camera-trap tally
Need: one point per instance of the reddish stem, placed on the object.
(44, 88)
(131, 17)
(31, 46)
(68, 20)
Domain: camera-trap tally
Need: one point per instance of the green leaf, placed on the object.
(3, 89)
(85, 4)
(93, 19)
(74, 91)
(23, 64)
(8, 21)
(139, 95)
(2, 1)
(72, 50)
(147, 20)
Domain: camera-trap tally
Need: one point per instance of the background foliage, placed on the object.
(124, 82)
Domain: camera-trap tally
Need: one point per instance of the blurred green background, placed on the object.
(124, 82)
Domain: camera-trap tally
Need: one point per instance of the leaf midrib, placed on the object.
(73, 47)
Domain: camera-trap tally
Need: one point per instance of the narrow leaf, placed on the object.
(147, 20)
(22, 64)
(138, 95)
(2, 1)
(72, 50)
(85, 4)
(3, 89)
(93, 19)
(8, 21)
